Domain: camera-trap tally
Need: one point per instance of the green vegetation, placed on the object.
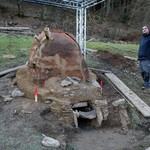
(70, 147)
(121, 48)
(13, 44)
(134, 118)
(19, 46)
(16, 45)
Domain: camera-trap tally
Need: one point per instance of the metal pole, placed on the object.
(80, 6)
(84, 32)
(81, 29)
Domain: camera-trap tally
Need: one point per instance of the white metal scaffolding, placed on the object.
(81, 29)
(81, 7)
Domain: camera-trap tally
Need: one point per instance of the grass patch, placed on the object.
(134, 118)
(70, 147)
(19, 46)
(16, 45)
(121, 48)
(12, 44)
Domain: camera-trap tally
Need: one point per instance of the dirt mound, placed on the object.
(115, 60)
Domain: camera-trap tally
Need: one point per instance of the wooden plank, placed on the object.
(15, 29)
(10, 70)
(100, 70)
(129, 94)
(131, 58)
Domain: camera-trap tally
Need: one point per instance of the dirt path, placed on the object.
(19, 121)
(22, 123)
(105, 139)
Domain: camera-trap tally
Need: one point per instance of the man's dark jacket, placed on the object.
(144, 48)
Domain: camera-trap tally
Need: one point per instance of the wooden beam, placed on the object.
(129, 94)
(15, 29)
(10, 70)
(100, 70)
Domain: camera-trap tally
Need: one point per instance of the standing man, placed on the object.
(144, 56)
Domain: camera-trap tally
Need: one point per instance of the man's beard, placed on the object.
(145, 34)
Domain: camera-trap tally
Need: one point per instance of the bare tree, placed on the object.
(108, 7)
(20, 8)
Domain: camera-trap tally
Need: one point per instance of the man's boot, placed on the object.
(147, 79)
(142, 73)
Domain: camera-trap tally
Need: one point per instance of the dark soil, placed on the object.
(23, 121)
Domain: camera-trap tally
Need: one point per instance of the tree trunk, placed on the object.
(20, 8)
(108, 7)
(147, 17)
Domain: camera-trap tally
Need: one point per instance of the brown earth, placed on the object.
(22, 121)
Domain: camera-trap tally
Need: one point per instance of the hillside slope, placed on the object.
(99, 25)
